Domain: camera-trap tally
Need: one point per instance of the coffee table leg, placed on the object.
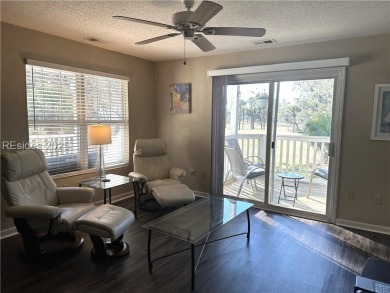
(105, 195)
(149, 257)
(248, 234)
(192, 267)
(109, 195)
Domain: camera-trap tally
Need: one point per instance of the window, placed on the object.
(62, 101)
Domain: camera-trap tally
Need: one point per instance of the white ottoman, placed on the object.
(173, 195)
(106, 221)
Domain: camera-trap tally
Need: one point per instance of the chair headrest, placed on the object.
(22, 163)
(150, 147)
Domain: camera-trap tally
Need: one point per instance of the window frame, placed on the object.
(82, 147)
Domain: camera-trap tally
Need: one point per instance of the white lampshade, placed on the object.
(99, 134)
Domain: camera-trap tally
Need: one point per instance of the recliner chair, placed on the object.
(42, 212)
(152, 169)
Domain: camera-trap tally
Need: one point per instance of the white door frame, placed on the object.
(321, 69)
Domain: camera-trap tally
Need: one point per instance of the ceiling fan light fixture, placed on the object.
(188, 34)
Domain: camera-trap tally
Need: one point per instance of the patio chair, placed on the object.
(320, 173)
(240, 169)
(248, 161)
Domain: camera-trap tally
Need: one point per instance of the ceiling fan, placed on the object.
(191, 24)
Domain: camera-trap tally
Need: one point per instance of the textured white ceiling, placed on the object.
(287, 22)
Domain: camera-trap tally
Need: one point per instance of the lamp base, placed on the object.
(100, 171)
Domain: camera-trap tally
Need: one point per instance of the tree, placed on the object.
(319, 125)
(252, 111)
(241, 113)
(290, 114)
(315, 99)
(256, 108)
(311, 111)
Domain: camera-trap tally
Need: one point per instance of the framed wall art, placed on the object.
(180, 96)
(380, 129)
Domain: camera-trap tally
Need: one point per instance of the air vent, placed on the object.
(263, 42)
(95, 40)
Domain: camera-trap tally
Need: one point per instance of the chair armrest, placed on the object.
(249, 161)
(75, 195)
(176, 173)
(138, 176)
(33, 211)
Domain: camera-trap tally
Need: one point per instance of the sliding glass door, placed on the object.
(246, 117)
(281, 140)
(300, 144)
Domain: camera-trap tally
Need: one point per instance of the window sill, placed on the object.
(82, 172)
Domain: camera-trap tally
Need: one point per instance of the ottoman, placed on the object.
(173, 195)
(106, 221)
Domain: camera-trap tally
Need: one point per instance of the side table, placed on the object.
(290, 176)
(115, 180)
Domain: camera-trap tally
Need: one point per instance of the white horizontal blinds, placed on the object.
(104, 103)
(60, 106)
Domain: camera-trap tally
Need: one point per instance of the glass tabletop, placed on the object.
(290, 175)
(193, 222)
(115, 180)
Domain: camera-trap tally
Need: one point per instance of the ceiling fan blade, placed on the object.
(205, 11)
(234, 31)
(203, 43)
(145, 22)
(148, 41)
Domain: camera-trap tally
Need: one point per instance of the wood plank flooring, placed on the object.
(273, 261)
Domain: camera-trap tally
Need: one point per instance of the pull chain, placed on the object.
(184, 61)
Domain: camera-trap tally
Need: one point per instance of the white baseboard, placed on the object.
(12, 231)
(363, 226)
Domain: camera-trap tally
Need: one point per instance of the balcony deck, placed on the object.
(316, 202)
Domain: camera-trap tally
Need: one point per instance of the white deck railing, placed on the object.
(296, 153)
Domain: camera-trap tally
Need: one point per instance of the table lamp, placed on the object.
(99, 135)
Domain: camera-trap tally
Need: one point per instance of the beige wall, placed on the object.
(365, 164)
(18, 44)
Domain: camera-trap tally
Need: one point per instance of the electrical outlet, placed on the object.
(378, 199)
(191, 171)
(350, 195)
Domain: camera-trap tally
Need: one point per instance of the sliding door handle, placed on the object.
(331, 149)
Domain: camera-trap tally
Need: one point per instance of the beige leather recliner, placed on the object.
(40, 210)
(152, 168)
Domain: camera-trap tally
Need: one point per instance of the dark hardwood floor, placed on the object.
(275, 260)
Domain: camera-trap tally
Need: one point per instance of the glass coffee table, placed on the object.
(195, 222)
